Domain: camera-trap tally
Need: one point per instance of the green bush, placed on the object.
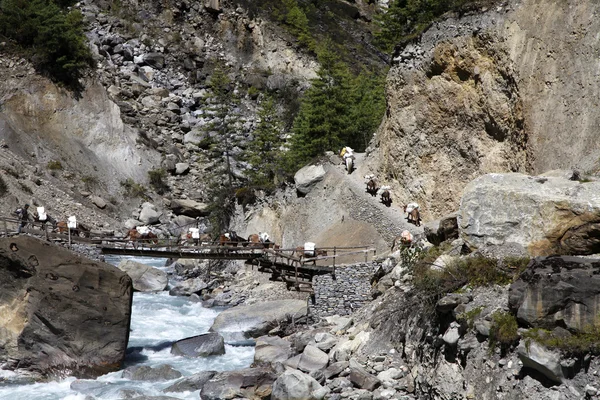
(132, 189)
(586, 341)
(503, 332)
(89, 181)
(53, 35)
(157, 180)
(54, 165)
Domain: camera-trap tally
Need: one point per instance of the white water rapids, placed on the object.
(157, 320)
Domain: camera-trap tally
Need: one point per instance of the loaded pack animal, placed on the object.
(372, 184)
(141, 234)
(194, 236)
(413, 214)
(348, 157)
(386, 196)
(231, 239)
(309, 251)
(43, 218)
(404, 240)
(81, 230)
(260, 239)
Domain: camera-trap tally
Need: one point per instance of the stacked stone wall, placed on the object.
(347, 293)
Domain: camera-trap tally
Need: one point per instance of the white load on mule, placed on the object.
(309, 249)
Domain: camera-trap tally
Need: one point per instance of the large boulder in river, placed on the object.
(59, 311)
(308, 177)
(257, 319)
(145, 277)
(205, 345)
(558, 291)
(544, 214)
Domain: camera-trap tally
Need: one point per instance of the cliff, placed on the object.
(510, 89)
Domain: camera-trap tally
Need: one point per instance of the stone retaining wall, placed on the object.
(350, 291)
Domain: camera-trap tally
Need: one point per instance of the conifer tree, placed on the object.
(226, 120)
(265, 151)
(323, 122)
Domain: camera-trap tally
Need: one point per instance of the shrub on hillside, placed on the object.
(503, 332)
(132, 189)
(54, 165)
(157, 180)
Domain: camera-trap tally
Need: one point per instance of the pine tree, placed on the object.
(265, 152)
(324, 120)
(226, 120)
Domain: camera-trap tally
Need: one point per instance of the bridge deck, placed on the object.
(291, 266)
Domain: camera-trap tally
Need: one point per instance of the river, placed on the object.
(156, 321)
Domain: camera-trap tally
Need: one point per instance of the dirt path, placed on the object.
(388, 221)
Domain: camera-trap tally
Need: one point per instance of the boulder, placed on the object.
(192, 382)
(246, 383)
(312, 359)
(445, 228)
(195, 136)
(59, 311)
(182, 168)
(270, 349)
(295, 385)
(251, 321)
(361, 378)
(98, 202)
(149, 216)
(539, 358)
(213, 6)
(334, 369)
(189, 208)
(188, 287)
(145, 278)
(545, 215)
(204, 345)
(558, 291)
(155, 60)
(163, 372)
(308, 177)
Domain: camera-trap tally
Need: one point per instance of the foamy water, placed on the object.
(157, 321)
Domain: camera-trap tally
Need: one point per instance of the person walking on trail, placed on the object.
(23, 215)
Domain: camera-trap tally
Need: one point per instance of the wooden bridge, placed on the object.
(293, 266)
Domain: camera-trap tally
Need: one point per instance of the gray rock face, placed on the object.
(145, 278)
(295, 385)
(272, 349)
(546, 215)
(245, 383)
(163, 372)
(192, 382)
(257, 319)
(204, 345)
(307, 177)
(558, 291)
(189, 208)
(61, 311)
(536, 356)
